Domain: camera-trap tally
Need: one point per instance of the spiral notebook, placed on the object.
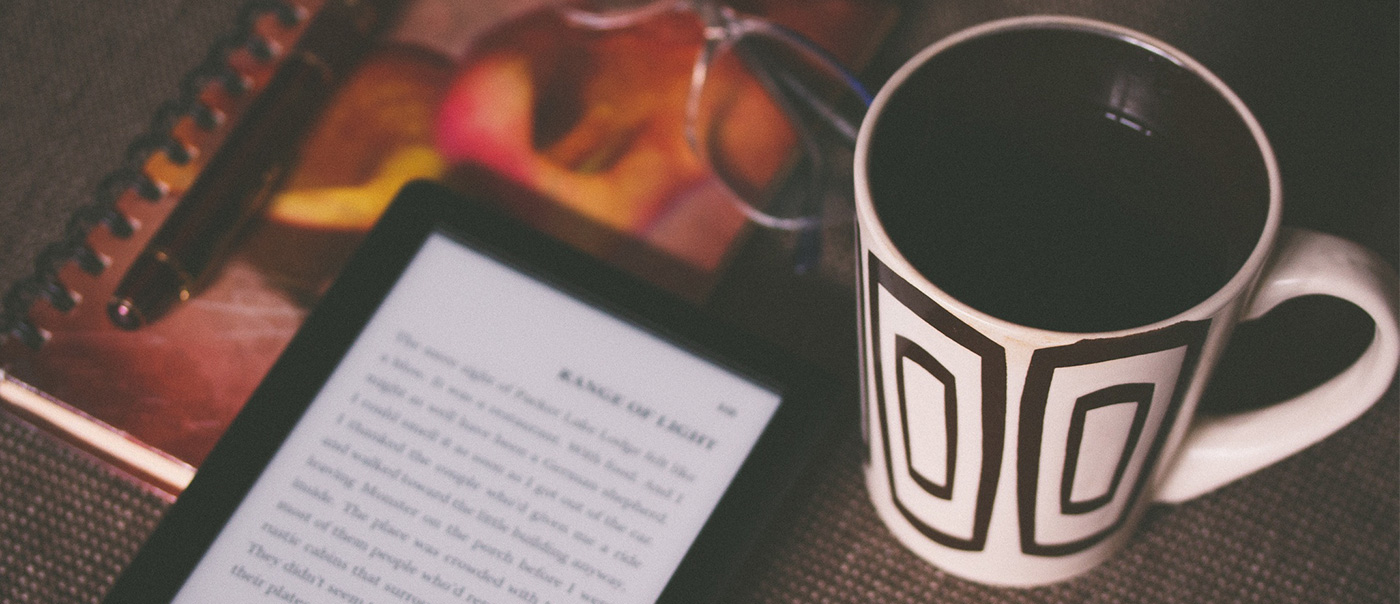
(152, 401)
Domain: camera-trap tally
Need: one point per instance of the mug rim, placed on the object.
(1242, 278)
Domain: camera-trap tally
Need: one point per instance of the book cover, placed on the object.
(518, 100)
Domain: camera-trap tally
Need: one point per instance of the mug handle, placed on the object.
(1217, 450)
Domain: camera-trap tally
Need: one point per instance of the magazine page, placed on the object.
(535, 105)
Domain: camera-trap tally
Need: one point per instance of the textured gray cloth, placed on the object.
(67, 523)
(80, 81)
(1287, 534)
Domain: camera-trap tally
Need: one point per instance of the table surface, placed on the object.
(79, 83)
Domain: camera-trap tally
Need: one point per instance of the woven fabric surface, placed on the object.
(78, 83)
(68, 524)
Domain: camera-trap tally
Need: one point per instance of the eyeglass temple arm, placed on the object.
(794, 98)
(780, 83)
(784, 90)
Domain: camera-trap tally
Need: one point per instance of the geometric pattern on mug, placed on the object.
(1123, 407)
(1095, 416)
(939, 392)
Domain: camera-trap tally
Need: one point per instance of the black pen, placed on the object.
(239, 179)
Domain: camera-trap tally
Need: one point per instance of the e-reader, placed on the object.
(478, 413)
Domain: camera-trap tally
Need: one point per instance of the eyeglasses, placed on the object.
(768, 110)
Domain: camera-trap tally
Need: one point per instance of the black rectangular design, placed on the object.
(908, 350)
(1110, 365)
(990, 377)
(1140, 396)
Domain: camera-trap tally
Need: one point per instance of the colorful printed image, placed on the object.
(525, 104)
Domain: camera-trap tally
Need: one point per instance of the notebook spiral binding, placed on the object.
(216, 69)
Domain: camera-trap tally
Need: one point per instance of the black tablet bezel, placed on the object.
(803, 418)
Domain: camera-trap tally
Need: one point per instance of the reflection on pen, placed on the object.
(240, 178)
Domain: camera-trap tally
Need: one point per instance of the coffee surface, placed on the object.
(1048, 209)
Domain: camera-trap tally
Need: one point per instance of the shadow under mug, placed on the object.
(1059, 223)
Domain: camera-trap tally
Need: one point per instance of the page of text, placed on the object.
(489, 439)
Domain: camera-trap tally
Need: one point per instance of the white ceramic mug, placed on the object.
(1060, 221)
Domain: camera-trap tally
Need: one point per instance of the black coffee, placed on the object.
(1065, 181)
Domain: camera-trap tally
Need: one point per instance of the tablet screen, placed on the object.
(488, 438)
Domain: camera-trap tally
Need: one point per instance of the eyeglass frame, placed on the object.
(723, 29)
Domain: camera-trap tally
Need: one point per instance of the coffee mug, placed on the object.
(1059, 223)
